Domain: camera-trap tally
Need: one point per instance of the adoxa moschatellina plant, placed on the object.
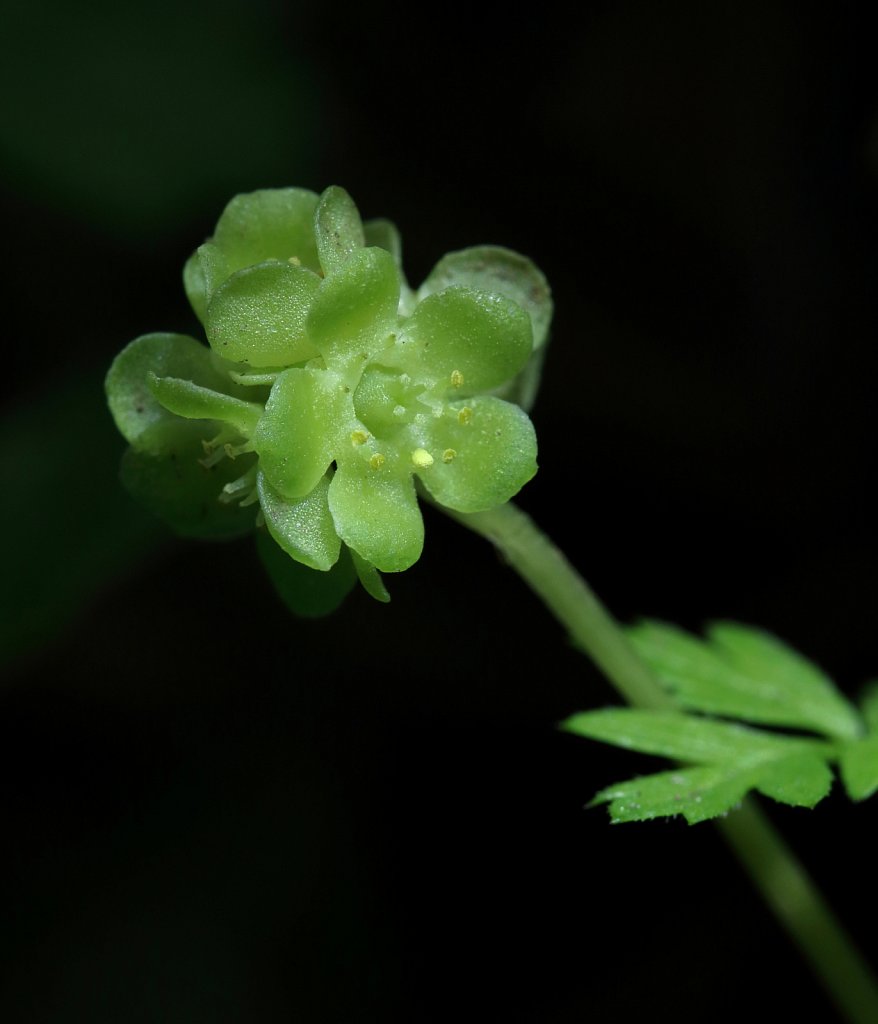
(329, 391)
(330, 395)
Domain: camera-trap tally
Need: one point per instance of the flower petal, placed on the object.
(303, 528)
(355, 309)
(193, 402)
(484, 451)
(130, 397)
(258, 315)
(385, 234)
(376, 513)
(338, 228)
(460, 338)
(271, 224)
(491, 268)
(294, 439)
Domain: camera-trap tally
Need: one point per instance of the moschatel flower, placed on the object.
(330, 391)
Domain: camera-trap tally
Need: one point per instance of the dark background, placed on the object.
(213, 812)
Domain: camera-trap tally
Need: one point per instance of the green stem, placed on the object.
(772, 866)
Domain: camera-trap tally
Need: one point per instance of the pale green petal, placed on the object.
(258, 316)
(193, 402)
(376, 513)
(491, 268)
(385, 235)
(465, 340)
(271, 224)
(484, 451)
(370, 578)
(355, 309)
(196, 286)
(338, 228)
(294, 439)
(131, 401)
(303, 528)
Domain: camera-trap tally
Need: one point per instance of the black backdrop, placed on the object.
(214, 812)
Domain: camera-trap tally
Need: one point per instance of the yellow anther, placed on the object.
(448, 454)
(464, 416)
(377, 461)
(295, 261)
(421, 458)
(359, 437)
(456, 379)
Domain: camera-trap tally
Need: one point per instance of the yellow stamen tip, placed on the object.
(456, 379)
(421, 458)
(359, 437)
(464, 416)
(377, 461)
(448, 454)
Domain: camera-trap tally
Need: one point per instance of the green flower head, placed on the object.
(330, 391)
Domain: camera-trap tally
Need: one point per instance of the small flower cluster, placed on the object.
(330, 390)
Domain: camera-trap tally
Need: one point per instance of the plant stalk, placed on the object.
(773, 868)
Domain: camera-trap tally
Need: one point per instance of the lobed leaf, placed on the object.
(859, 767)
(688, 738)
(709, 791)
(697, 793)
(744, 673)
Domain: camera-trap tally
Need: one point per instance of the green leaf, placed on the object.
(697, 793)
(763, 656)
(295, 438)
(859, 767)
(731, 679)
(376, 513)
(685, 737)
(355, 309)
(303, 528)
(338, 228)
(800, 781)
(191, 401)
(708, 791)
(180, 490)
(465, 341)
(869, 704)
(258, 315)
(305, 591)
(130, 398)
(498, 271)
(484, 451)
(370, 578)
